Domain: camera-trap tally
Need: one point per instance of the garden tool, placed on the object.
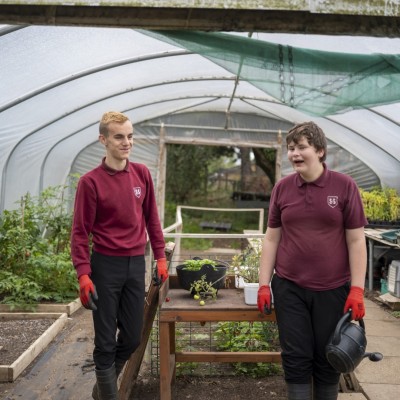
(347, 346)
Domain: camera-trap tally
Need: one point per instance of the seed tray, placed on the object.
(391, 236)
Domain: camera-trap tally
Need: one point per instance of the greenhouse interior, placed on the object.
(233, 89)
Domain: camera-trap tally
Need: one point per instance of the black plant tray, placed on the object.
(215, 274)
(384, 224)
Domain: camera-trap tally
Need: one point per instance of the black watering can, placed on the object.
(346, 348)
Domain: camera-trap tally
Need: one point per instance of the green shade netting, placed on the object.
(317, 82)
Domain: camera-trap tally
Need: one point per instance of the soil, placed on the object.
(17, 335)
(216, 388)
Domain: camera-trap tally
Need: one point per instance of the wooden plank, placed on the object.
(167, 360)
(375, 234)
(392, 301)
(220, 356)
(28, 315)
(204, 315)
(69, 308)
(5, 373)
(342, 384)
(11, 372)
(132, 368)
(164, 288)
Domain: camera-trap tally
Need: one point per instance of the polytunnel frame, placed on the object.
(161, 83)
(90, 71)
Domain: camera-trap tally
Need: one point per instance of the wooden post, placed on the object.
(153, 298)
(161, 174)
(278, 162)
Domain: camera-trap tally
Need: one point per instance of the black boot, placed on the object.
(106, 384)
(326, 392)
(299, 391)
(119, 366)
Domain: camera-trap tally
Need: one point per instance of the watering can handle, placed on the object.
(346, 318)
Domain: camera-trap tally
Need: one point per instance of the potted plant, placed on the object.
(194, 269)
(245, 266)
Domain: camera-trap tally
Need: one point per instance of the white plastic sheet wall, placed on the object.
(55, 82)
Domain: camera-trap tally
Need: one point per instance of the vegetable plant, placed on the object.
(203, 289)
(246, 264)
(197, 264)
(249, 336)
(35, 250)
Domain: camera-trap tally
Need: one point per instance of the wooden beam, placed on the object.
(154, 294)
(380, 23)
(218, 356)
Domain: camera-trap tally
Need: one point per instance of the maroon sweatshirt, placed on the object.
(116, 208)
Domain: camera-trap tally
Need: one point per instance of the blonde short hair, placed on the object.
(108, 117)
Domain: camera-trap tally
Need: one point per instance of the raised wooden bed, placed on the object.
(69, 308)
(8, 373)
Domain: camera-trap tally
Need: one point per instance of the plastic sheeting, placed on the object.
(57, 81)
(313, 81)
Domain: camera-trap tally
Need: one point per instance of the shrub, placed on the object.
(35, 250)
(381, 204)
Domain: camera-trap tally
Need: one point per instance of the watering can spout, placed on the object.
(374, 356)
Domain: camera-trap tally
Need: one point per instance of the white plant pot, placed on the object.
(250, 293)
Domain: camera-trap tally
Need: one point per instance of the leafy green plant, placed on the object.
(197, 264)
(249, 336)
(19, 290)
(246, 264)
(395, 314)
(381, 204)
(35, 250)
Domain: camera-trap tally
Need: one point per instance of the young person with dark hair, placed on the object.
(315, 252)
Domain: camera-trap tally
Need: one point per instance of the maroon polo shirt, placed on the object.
(313, 217)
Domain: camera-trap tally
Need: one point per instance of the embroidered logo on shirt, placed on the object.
(333, 201)
(137, 191)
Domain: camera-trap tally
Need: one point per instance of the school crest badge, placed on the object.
(333, 201)
(137, 191)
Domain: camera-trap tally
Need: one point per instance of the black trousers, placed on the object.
(118, 321)
(306, 320)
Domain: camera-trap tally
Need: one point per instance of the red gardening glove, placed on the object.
(87, 292)
(355, 302)
(264, 299)
(162, 269)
